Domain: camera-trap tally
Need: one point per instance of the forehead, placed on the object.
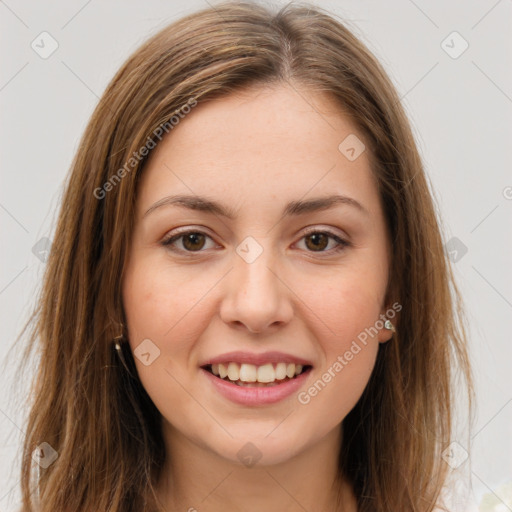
(261, 144)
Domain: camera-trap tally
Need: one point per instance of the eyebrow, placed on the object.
(293, 208)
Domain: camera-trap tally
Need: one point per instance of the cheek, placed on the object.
(163, 304)
(349, 349)
(346, 306)
(345, 317)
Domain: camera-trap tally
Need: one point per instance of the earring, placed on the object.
(117, 342)
(388, 324)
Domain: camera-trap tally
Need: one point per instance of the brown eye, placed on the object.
(195, 241)
(191, 241)
(319, 241)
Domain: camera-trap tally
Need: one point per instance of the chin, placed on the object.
(261, 447)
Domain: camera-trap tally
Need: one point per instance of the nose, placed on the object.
(257, 297)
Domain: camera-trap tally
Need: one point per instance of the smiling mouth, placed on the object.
(249, 375)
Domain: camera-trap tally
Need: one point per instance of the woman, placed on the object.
(247, 210)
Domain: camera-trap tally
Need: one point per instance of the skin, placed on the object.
(255, 151)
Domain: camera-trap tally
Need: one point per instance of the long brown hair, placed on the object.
(93, 412)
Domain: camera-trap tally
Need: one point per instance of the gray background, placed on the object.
(461, 112)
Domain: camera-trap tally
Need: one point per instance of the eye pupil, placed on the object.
(193, 238)
(315, 237)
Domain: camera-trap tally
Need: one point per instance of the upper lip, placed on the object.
(256, 359)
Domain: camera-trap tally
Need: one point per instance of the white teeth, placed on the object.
(250, 373)
(280, 371)
(223, 371)
(233, 371)
(266, 373)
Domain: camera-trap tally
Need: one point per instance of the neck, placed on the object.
(195, 478)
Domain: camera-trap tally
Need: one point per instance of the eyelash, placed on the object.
(342, 244)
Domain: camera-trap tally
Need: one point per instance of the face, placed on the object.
(276, 286)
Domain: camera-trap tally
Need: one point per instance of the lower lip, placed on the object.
(257, 395)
